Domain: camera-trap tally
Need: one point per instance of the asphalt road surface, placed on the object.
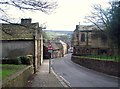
(79, 76)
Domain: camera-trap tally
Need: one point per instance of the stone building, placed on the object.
(88, 40)
(22, 39)
(65, 47)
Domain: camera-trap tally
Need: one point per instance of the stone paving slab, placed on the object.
(42, 78)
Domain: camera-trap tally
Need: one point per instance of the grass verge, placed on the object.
(102, 57)
(9, 69)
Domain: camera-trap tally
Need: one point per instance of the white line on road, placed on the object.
(62, 82)
(65, 81)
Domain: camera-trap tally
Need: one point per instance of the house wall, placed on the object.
(14, 48)
(99, 43)
(61, 52)
(64, 49)
(75, 40)
(90, 45)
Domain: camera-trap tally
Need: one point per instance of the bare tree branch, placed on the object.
(91, 20)
(99, 17)
(30, 5)
(40, 5)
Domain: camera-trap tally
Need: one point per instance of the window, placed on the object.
(83, 37)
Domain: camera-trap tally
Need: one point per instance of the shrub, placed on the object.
(17, 61)
(26, 59)
(30, 59)
(11, 61)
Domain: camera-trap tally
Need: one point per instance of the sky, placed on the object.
(67, 15)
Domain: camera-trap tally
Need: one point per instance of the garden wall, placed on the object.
(108, 67)
(19, 79)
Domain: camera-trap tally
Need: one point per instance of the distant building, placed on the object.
(65, 49)
(57, 51)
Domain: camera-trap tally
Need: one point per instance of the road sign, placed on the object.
(50, 48)
(50, 51)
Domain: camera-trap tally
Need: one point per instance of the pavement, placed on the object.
(43, 78)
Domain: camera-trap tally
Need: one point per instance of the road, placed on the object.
(79, 76)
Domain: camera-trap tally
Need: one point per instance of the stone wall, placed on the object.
(22, 47)
(13, 48)
(108, 67)
(18, 79)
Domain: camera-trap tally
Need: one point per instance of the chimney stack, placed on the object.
(77, 27)
(26, 21)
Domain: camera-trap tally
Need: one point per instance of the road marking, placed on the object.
(52, 61)
(64, 82)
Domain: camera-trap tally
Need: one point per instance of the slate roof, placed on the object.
(87, 27)
(17, 31)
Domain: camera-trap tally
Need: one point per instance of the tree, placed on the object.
(45, 36)
(99, 17)
(30, 5)
(113, 28)
(108, 21)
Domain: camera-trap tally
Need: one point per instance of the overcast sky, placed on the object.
(68, 14)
